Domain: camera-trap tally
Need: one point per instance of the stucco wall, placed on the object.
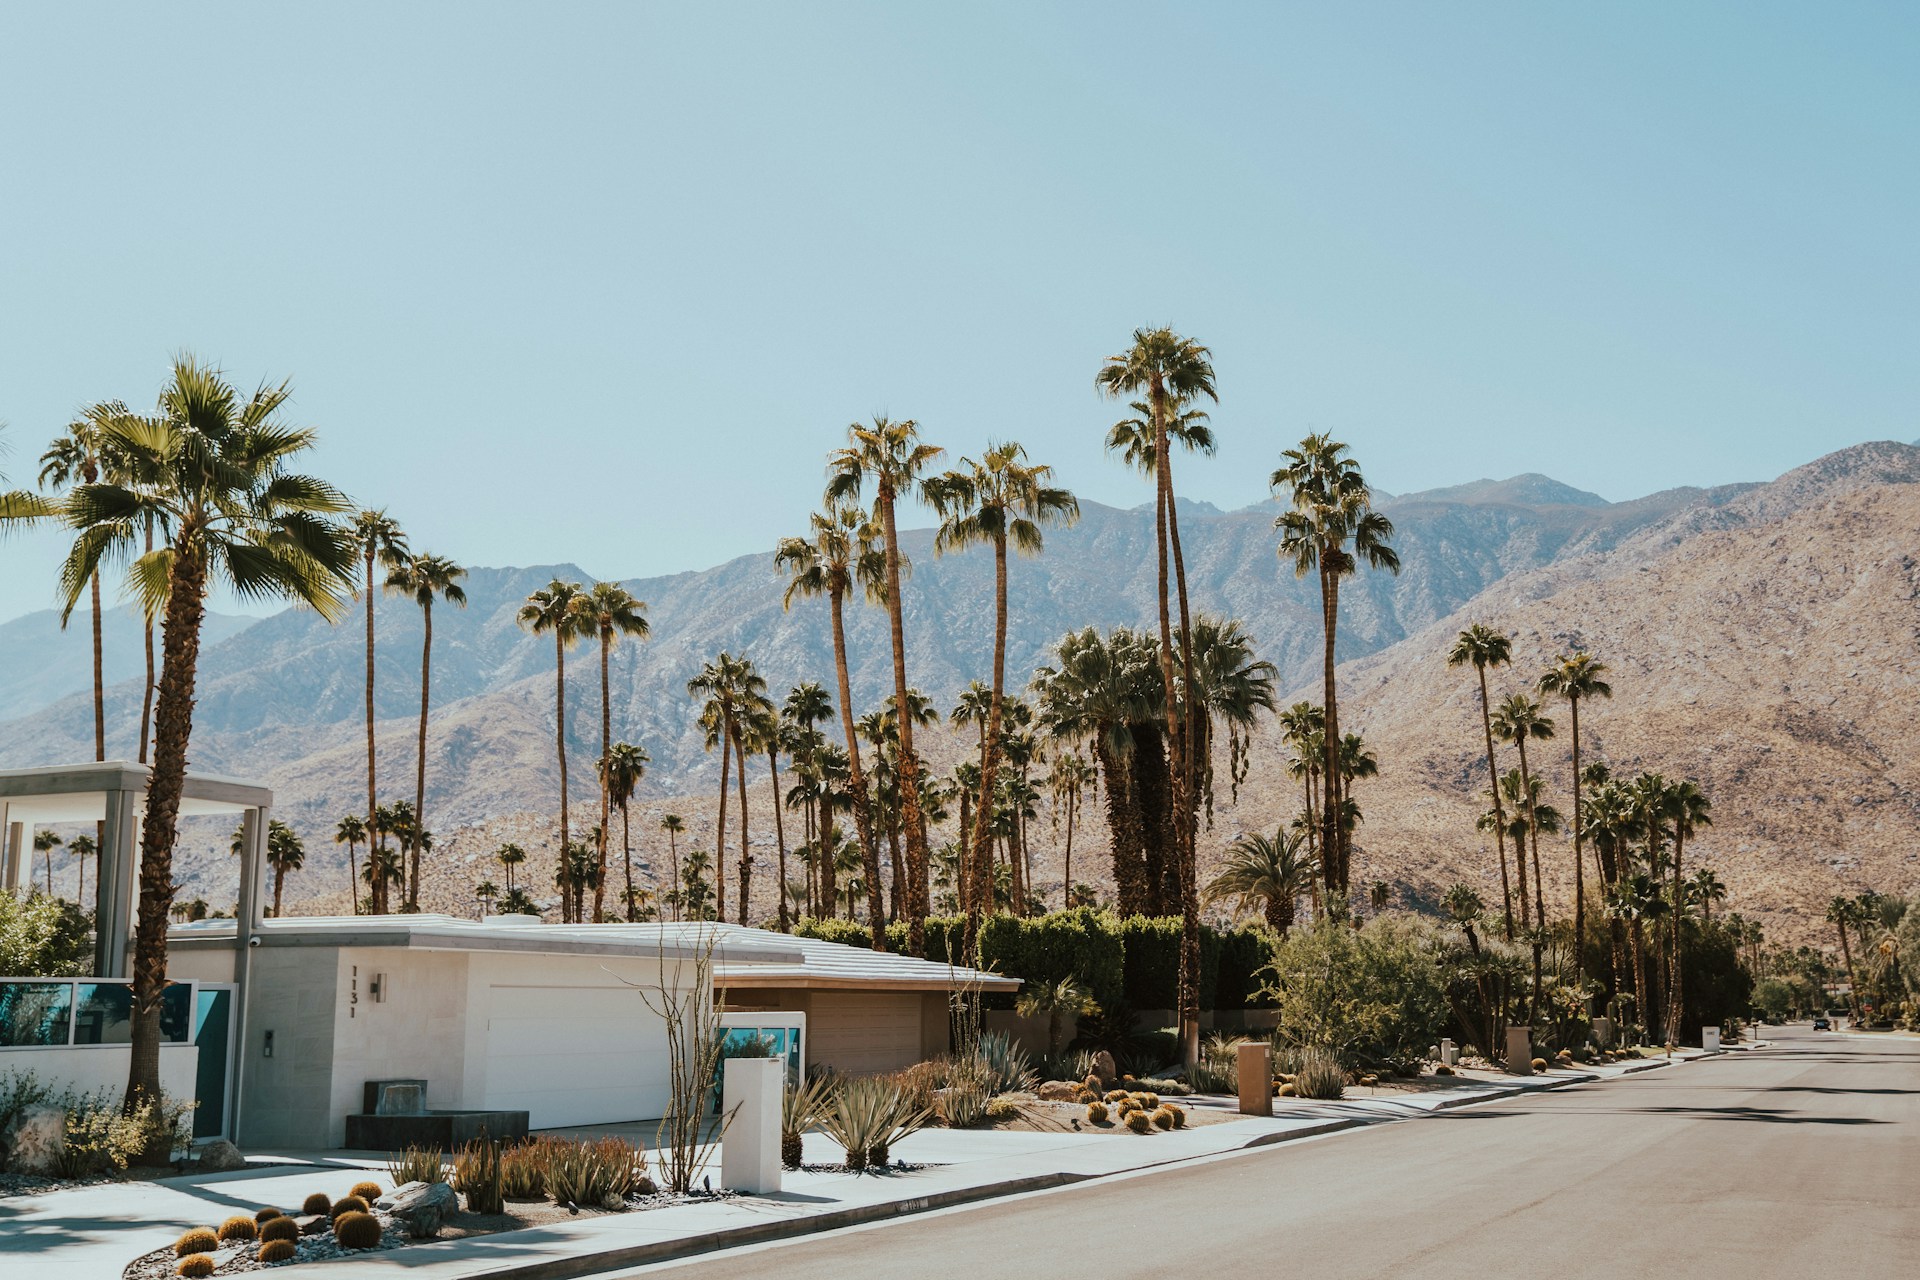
(200, 964)
(418, 1030)
(90, 1068)
(285, 1099)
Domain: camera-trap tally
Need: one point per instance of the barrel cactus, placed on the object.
(238, 1227)
(198, 1240)
(195, 1265)
(279, 1229)
(357, 1229)
(277, 1251)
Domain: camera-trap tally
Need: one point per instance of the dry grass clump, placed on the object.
(238, 1227)
(198, 1240)
(277, 1251)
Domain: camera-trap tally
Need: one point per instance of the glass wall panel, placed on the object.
(103, 1014)
(35, 1014)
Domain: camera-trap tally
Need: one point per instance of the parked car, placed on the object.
(1820, 1023)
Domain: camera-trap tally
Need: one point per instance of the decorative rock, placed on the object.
(312, 1224)
(1104, 1068)
(386, 1202)
(421, 1207)
(34, 1140)
(219, 1156)
(1058, 1091)
(613, 1202)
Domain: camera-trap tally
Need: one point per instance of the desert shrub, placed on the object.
(370, 1191)
(282, 1228)
(1003, 1108)
(415, 1164)
(523, 1172)
(357, 1230)
(626, 1163)
(1162, 1118)
(476, 1176)
(1320, 1075)
(238, 1227)
(1138, 1122)
(1170, 1088)
(348, 1204)
(1096, 1113)
(198, 1240)
(800, 1110)
(583, 1174)
(1366, 994)
(317, 1203)
(278, 1250)
(195, 1266)
(962, 1106)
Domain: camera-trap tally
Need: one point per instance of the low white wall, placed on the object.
(92, 1067)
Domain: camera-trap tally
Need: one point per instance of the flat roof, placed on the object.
(78, 792)
(742, 957)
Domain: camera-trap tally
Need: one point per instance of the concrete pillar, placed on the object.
(1255, 1077)
(253, 832)
(13, 838)
(119, 856)
(1709, 1038)
(1520, 1050)
(1449, 1052)
(751, 1092)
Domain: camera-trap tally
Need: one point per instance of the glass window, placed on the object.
(176, 1014)
(35, 1014)
(103, 1014)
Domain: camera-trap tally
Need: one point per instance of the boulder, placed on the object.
(1104, 1068)
(34, 1140)
(421, 1207)
(219, 1156)
(1058, 1091)
(313, 1224)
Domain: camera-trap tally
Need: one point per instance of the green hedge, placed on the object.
(1244, 952)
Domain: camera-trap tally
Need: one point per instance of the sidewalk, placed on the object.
(91, 1233)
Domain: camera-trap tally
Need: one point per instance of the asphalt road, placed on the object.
(1799, 1160)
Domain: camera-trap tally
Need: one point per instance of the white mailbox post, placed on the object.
(1709, 1038)
(750, 1093)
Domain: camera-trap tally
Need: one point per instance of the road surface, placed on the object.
(1799, 1160)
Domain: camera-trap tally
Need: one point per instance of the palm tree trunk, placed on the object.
(373, 802)
(1675, 985)
(673, 865)
(896, 905)
(420, 761)
(606, 749)
(99, 682)
(1187, 771)
(720, 832)
(1332, 856)
(1499, 817)
(560, 746)
(1853, 983)
(146, 693)
(353, 880)
(173, 725)
(977, 868)
(279, 881)
(1579, 867)
(746, 858)
(1066, 872)
(779, 833)
(857, 781)
(626, 849)
(912, 816)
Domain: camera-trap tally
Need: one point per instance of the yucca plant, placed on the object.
(802, 1107)
(418, 1164)
(1320, 1075)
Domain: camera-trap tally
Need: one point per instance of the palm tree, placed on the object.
(509, 856)
(285, 852)
(384, 866)
(728, 684)
(840, 555)
(611, 613)
(1706, 888)
(486, 891)
(1269, 872)
(1577, 677)
(1331, 527)
(1172, 373)
(1688, 808)
(891, 455)
(621, 769)
(556, 609)
(74, 458)
(1071, 778)
(673, 824)
(377, 536)
(352, 830)
(1055, 1001)
(1463, 908)
(423, 577)
(1000, 500)
(763, 731)
(516, 902)
(1484, 647)
(1842, 912)
(80, 848)
(1516, 721)
(1636, 900)
(213, 476)
(45, 841)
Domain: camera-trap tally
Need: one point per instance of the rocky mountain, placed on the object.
(45, 662)
(1759, 637)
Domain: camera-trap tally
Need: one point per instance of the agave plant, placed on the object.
(1320, 1074)
(1008, 1068)
(803, 1107)
(868, 1115)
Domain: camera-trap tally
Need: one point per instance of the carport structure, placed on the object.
(113, 794)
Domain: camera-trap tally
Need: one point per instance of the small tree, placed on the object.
(694, 1043)
(1054, 1001)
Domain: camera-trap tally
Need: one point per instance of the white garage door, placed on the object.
(575, 1055)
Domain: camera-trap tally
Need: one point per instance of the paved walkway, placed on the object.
(91, 1233)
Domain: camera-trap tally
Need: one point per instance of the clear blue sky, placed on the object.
(602, 283)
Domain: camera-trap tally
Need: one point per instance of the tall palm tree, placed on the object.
(612, 612)
(214, 476)
(350, 831)
(892, 456)
(673, 824)
(423, 577)
(728, 684)
(509, 856)
(377, 536)
(1842, 912)
(486, 891)
(1705, 887)
(83, 847)
(840, 554)
(285, 852)
(1516, 721)
(45, 841)
(1268, 872)
(74, 458)
(1688, 809)
(999, 501)
(1331, 527)
(1577, 677)
(621, 769)
(555, 610)
(1172, 373)
(1070, 778)
(1483, 647)
(763, 731)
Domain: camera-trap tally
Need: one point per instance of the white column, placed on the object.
(750, 1098)
(253, 825)
(119, 857)
(12, 837)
